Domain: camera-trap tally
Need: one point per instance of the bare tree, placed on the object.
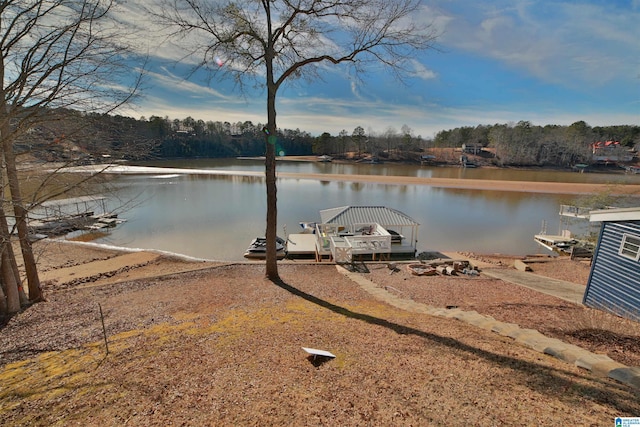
(389, 136)
(358, 136)
(54, 54)
(272, 41)
(344, 139)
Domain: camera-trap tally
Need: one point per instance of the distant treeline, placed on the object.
(67, 135)
(72, 133)
(526, 144)
(197, 138)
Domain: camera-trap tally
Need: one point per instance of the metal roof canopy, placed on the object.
(363, 214)
(60, 208)
(619, 214)
(71, 201)
(386, 217)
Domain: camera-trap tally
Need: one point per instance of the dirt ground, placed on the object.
(591, 329)
(217, 344)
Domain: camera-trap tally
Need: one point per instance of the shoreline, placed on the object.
(125, 250)
(485, 185)
(545, 187)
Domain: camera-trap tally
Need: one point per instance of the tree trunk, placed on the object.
(272, 215)
(9, 281)
(35, 293)
(5, 238)
(12, 296)
(3, 299)
(270, 158)
(270, 177)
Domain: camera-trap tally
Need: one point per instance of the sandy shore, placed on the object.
(468, 184)
(479, 184)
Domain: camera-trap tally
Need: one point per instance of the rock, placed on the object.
(519, 265)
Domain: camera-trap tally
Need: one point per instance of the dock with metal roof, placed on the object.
(357, 232)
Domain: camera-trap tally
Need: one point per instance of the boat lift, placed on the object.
(57, 217)
(564, 240)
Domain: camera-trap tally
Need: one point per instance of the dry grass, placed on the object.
(222, 346)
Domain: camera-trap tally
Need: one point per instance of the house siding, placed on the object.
(614, 282)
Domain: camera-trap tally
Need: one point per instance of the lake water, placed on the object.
(215, 217)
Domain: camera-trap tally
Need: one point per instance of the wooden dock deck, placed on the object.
(301, 245)
(550, 241)
(304, 246)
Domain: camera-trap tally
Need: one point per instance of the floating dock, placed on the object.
(301, 246)
(59, 217)
(553, 242)
(305, 246)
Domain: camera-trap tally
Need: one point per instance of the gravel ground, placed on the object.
(591, 329)
(222, 346)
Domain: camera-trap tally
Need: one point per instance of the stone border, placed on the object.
(598, 364)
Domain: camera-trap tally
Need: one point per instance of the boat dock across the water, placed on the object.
(62, 216)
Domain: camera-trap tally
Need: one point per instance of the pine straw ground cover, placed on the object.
(223, 347)
(591, 329)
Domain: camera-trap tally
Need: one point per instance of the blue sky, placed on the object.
(501, 61)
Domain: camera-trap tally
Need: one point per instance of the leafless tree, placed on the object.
(273, 41)
(54, 54)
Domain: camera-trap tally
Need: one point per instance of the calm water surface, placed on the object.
(215, 217)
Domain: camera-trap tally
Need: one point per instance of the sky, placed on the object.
(499, 61)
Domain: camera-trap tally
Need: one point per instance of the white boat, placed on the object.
(395, 236)
(258, 248)
(632, 169)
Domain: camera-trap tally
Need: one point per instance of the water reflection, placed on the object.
(535, 175)
(508, 197)
(215, 216)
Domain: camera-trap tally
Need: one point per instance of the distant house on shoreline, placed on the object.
(472, 148)
(610, 152)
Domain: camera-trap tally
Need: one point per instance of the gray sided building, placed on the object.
(614, 281)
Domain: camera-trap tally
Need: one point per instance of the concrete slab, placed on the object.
(567, 291)
(626, 375)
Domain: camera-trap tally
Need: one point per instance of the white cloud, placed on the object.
(198, 109)
(577, 46)
(330, 115)
(421, 71)
(550, 40)
(319, 114)
(169, 81)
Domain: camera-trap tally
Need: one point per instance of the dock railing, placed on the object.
(324, 232)
(341, 250)
(372, 239)
(342, 243)
(56, 210)
(574, 211)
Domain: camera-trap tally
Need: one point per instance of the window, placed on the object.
(630, 247)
